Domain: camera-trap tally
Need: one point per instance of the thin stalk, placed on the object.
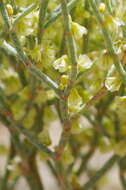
(32, 68)
(85, 160)
(121, 165)
(4, 14)
(109, 43)
(70, 46)
(9, 49)
(41, 76)
(33, 139)
(64, 101)
(52, 168)
(101, 172)
(22, 56)
(42, 15)
(12, 125)
(102, 92)
(62, 46)
(66, 128)
(109, 6)
(30, 171)
(56, 13)
(87, 24)
(27, 10)
(61, 176)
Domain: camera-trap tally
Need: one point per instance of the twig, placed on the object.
(39, 74)
(101, 172)
(64, 101)
(70, 46)
(57, 12)
(102, 92)
(121, 165)
(109, 6)
(23, 57)
(33, 139)
(24, 13)
(42, 15)
(109, 43)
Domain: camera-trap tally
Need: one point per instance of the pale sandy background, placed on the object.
(49, 182)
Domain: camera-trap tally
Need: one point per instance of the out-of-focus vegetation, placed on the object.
(63, 60)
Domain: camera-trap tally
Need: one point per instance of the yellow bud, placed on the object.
(9, 9)
(102, 7)
(63, 81)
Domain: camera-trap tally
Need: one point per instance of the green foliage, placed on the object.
(62, 61)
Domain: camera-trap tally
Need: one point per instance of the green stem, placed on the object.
(39, 74)
(42, 15)
(32, 68)
(20, 53)
(109, 6)
(57, 12)
(64, 98)
(4, 14)
(70, 46)
(10, 50)
(101, 172)
(62, 177)
(109, 43)
(87, 24)
(23, 57)
(102, 92)
(12, 125)
(85, 160)
(121, 165)
(28, 10)
(30, 171)
(33, 139)
(66, 127)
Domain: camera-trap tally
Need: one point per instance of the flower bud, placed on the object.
(63, 81)
(102, 7)
(10, 10)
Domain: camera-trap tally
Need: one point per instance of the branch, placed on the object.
(121, 165)
(27, 10)
(102, 92)
(109, 43)
(22, 56)
(64, 101)
(43, 77)
(57, 12)
(66, 128)
(32, 139)
(70, 46)
(101, 172)
(42, 15)
(99, 94)
(109, 6)
(12, 125)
